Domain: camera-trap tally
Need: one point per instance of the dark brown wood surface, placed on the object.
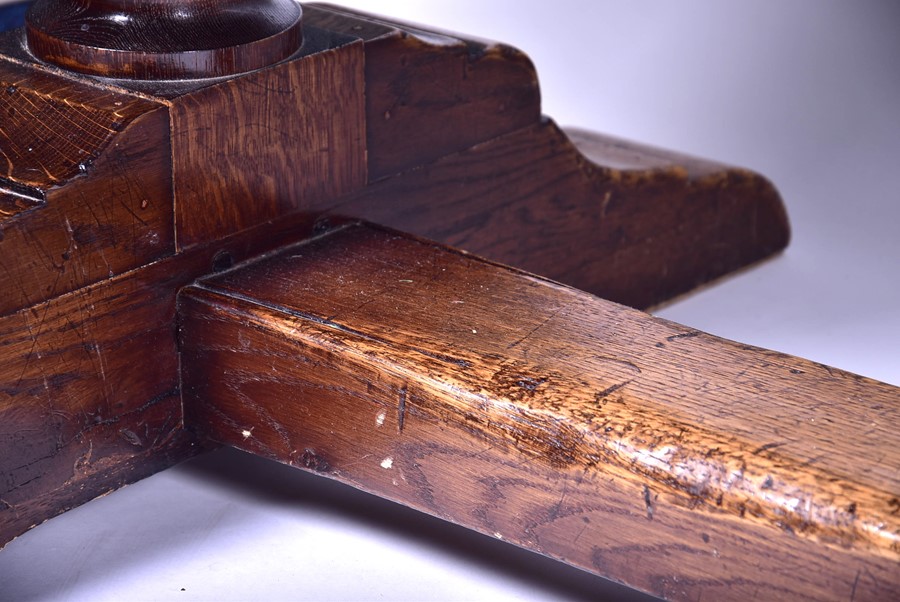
(454, 148)
(270, 144)
(676, 462)
(621, 223)
(253, 150)
(479, 90)
(80, 412)
(114, 195)
(95, 165)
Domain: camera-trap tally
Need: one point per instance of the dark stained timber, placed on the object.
(146, 145)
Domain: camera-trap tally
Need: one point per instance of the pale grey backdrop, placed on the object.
(805, 91)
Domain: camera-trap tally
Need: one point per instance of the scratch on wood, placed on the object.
(686, 335)
(131, 437)
(648, 502)
(401, 409)
(604, 206)
(102, 363)
(767, 447)
(536, 328)
(621, 362)
(601, 397)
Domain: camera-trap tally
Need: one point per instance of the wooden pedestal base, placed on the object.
(117, 194)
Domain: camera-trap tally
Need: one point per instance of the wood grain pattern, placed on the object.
(267, 145)
(431, 94)
(636, 235)
(82, 410)
(88, 175)
(629, 226)
(665, 458)
(53, 127)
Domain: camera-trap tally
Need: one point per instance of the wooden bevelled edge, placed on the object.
(624, 155)
(280, 362)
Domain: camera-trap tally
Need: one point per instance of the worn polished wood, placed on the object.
(102, 185)
(552, 419)
(89, 206)
(164, 39)
(115, 194)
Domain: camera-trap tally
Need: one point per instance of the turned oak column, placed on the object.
(164, 39)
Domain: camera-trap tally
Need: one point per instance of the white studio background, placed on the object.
(805, 91)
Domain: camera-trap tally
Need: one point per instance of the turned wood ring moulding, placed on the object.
(163, 40)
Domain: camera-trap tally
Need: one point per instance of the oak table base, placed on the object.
(117, 194)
